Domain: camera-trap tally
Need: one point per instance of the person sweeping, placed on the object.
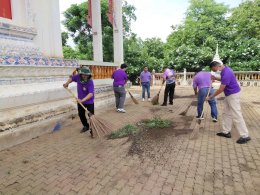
(169, 78)
(231, 105)
(85, 89)
(120, 78)
(202, 86)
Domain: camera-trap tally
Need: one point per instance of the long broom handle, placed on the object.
(76, 98)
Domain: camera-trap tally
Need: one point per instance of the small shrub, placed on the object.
(156, 122)
(124, 132)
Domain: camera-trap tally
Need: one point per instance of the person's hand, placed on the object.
(65, 85)
(213, 77)
(80, 101)
(207, 98)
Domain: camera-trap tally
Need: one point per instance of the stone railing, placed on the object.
(245, 78)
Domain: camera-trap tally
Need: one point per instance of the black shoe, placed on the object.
(226, 135)
(171, 103)
(84, 129)
(163, 104)
(201, 118)
(243, 140)
(91, 133)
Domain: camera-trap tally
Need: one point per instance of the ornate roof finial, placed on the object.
(216, 56)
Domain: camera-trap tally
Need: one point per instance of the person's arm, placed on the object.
(215, 78)
(195, 90)
(89, 96)
(219, 91)
(65, 85)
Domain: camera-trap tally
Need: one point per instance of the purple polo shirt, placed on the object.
(168, 76)
(119, 77)
(84, 89)
(202, 80)
(228, 78)
(145, 76)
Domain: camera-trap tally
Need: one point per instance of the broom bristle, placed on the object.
(99, 126)
(155, 100)
(132, 97)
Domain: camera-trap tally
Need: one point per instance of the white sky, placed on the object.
(154, 17)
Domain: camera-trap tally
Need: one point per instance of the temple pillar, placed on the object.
(97, 31)
(118, 33)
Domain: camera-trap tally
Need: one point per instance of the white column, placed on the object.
(18, 12)
(97, 31)
(118, 33)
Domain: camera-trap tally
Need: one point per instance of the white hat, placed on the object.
(216, 57)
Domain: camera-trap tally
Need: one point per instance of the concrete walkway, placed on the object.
(67, 162)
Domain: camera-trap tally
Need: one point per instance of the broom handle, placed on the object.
(76, 98)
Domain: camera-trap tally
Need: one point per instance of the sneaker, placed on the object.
(84, 129)
(163, 104)
(143, 99)
(214, 120)
(122, 110)
(226, 135)
(118, 110)
(201, 118)
(243, 140)
(149, 99)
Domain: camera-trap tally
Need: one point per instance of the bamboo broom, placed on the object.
(132, 97)
(155, 99)
(98, 127)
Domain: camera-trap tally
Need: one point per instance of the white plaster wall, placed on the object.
(47, 23)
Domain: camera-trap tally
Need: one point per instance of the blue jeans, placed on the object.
(145, 87)
(201, 97)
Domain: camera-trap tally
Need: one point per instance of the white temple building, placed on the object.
(32, 68)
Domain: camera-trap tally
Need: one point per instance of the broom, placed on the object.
(98, 126)
(155, 99)
(132, 97)
(186, 110)
(195, 132)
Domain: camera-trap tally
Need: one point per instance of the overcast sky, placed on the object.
(154, 17)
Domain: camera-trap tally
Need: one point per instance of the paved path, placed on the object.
(67, 162)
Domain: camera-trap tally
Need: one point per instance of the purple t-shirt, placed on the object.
(145, 76)
(202, 80)
(228, 78)
(84, 89)
(119, 77)
(168, 75)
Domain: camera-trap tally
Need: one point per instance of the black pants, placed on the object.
(82, 114)
(169, 91)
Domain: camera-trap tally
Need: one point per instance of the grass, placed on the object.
(156, 122)
(124, 132)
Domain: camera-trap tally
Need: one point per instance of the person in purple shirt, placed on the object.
(85, 88)
(231, 105)
(120, 78)
(145, 78)
(169, 78)
(202, 85)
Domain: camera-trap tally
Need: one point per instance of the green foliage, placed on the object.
(156, 122)
(124, 132)
(70, 53)
(77, 26)
(64, 38)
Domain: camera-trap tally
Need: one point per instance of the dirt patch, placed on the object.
(257, 103)
(157, 144)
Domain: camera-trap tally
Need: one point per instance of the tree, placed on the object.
(193, 43)
(64, 38)
(76, 23)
